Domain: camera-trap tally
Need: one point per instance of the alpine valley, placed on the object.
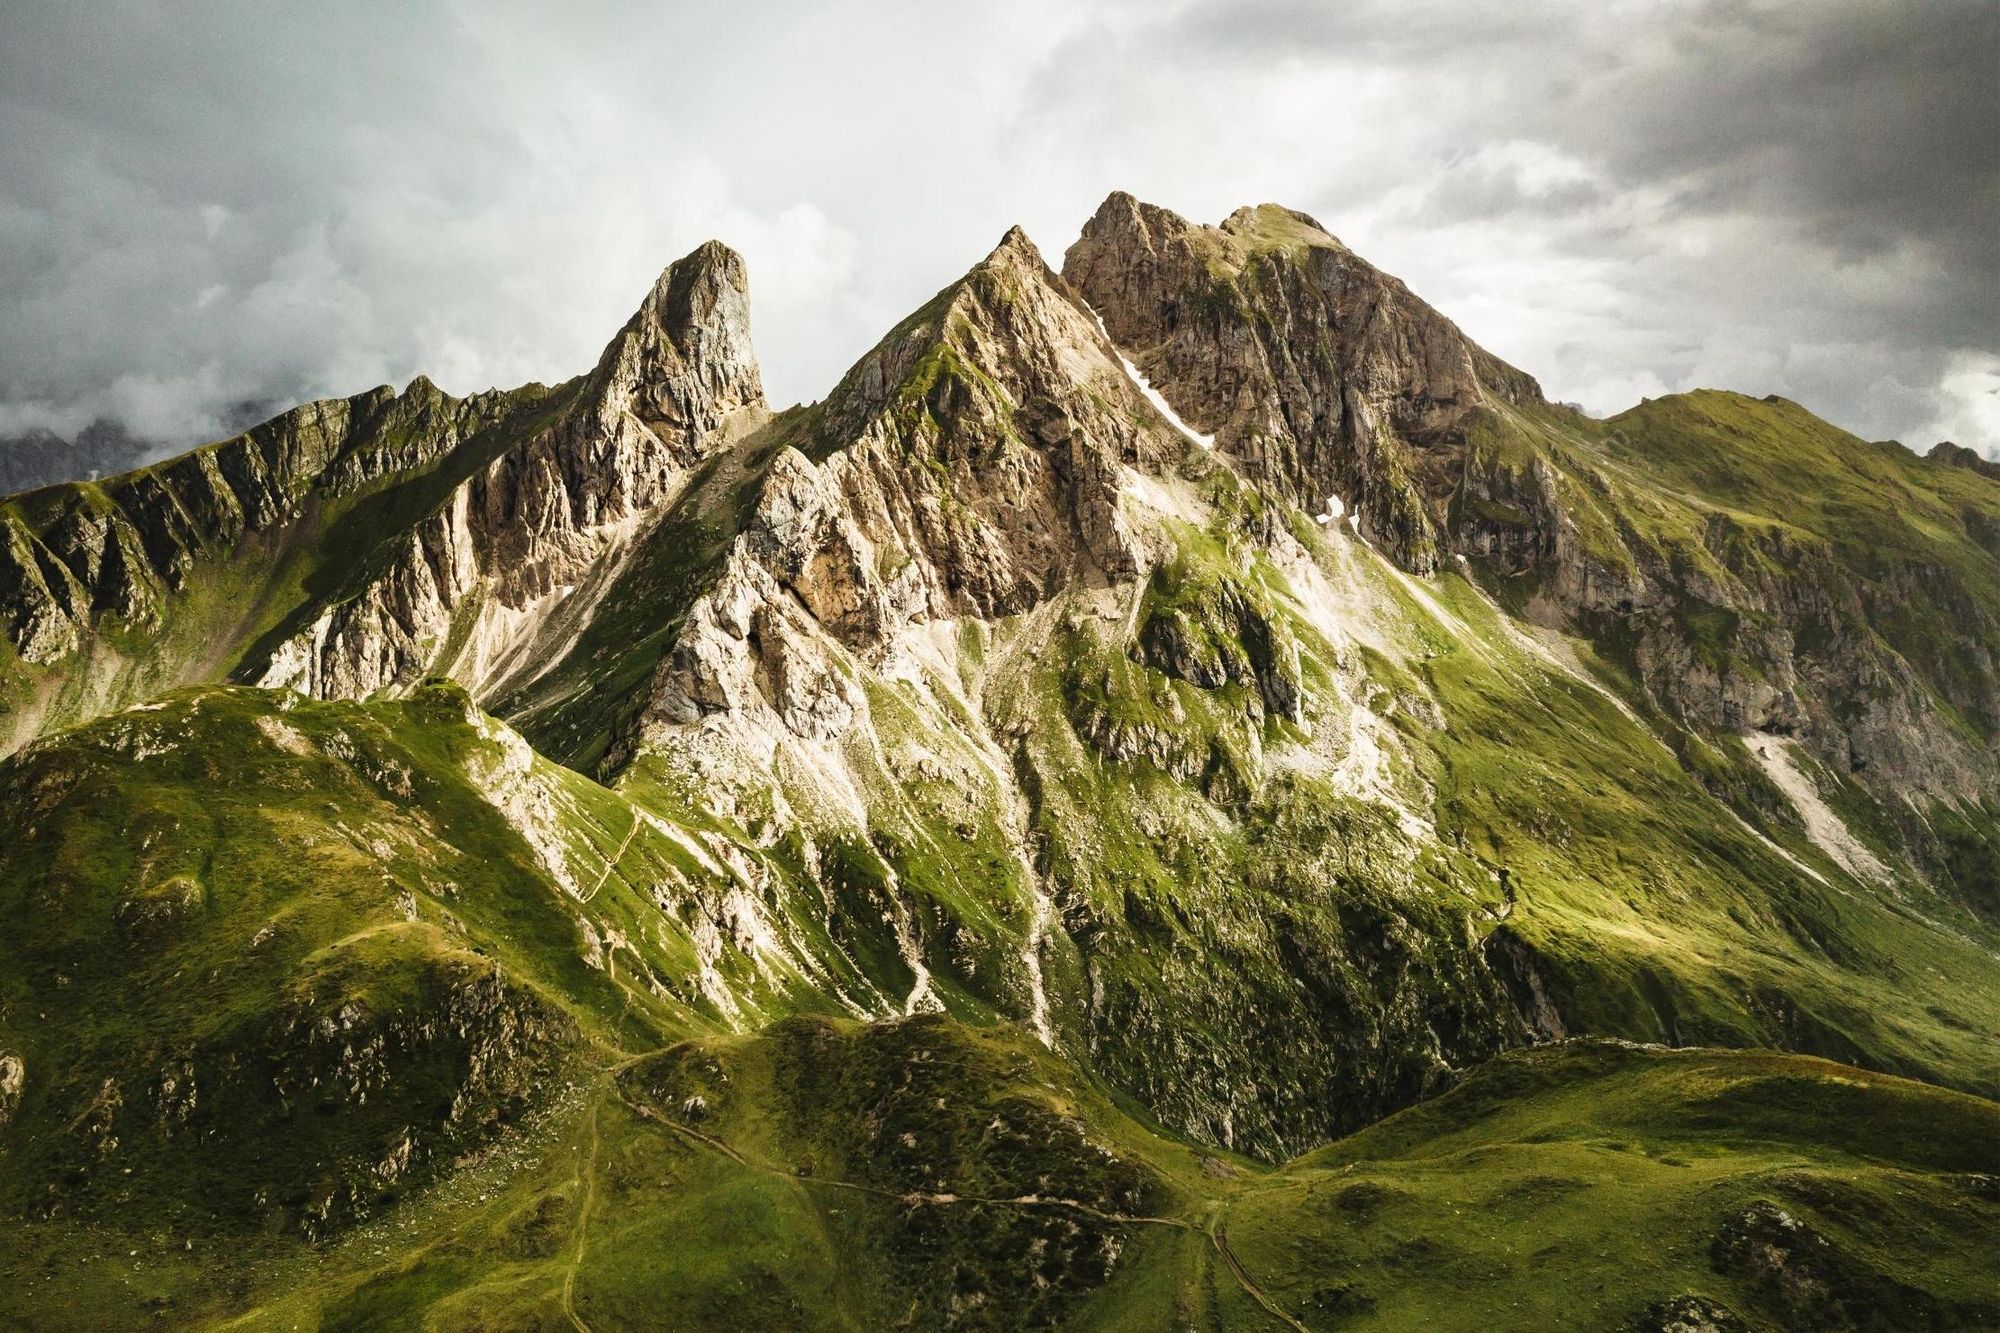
(1182, 794)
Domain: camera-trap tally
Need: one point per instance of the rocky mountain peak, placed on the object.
(39, 457)
(1005, 337)
(685, 359)
(515, 554)
(512, 509)
(1262, 223)
(1372, 408)
(1957, 455)
(972, 464)
(1015, 245)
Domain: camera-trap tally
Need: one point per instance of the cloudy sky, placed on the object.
(203, 205)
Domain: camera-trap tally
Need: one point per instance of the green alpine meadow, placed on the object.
(1181, 794)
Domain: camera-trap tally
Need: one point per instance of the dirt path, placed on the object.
(616, 857)
(1256, 1293)
(586, 1176)
(926, 1197)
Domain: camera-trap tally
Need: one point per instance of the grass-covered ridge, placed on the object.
(211, 559)
(1603, 1186)
(367, 935)
(1912, 536)
(828, 1175)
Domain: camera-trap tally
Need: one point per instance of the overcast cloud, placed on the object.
(204, 205)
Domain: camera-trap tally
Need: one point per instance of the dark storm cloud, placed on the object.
(201, 206)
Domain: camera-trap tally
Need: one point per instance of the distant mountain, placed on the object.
(1182, 793)
(43, 458)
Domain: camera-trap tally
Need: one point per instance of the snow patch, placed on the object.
(1146, 389)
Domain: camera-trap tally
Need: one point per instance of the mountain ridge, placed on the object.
(1200, 688)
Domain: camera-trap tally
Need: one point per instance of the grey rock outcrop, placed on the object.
(13, 1077)
(970, 465)
(468, 590)
(1322, 373)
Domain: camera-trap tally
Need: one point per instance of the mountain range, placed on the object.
(40, 457)
(1182, 793)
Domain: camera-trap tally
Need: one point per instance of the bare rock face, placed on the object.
(989, 461)
(467, 593)
(678, 370)
(1957, 455)
(970, 465)
(1327, 378)
(1014, 412)
(1322, 373)
(124, 547)
(358, 544)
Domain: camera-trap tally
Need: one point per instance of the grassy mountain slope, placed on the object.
(365, 935)
(1601, 1186)
(975, 852)
(731, 1183)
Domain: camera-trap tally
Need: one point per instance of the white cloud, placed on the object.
(1625, 198)
(1969, 396)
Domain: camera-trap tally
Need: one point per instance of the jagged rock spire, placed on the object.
(684, 360)
(547, 517)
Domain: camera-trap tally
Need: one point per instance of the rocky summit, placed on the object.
(1183, 793)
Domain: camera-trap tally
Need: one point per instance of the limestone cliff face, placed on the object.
(970, 466)
(948, 615)
(358, 544)
(76, 553)
(1322, 373)
(469, 590)
(1328, 378)
(1737, 621)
